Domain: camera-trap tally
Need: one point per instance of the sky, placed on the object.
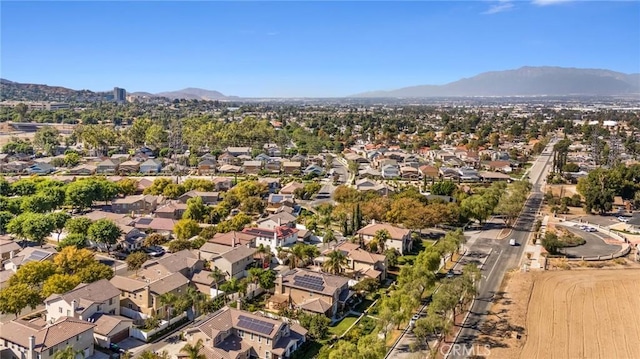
(305, 48)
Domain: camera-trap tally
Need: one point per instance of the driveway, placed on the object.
(603, 221)
(594, 246)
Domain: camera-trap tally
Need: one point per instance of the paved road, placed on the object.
(594, 246)
(503, 257)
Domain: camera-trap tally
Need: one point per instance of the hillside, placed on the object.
(527, 81)
(193, 94)
(10, 90)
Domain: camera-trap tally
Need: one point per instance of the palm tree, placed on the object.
(193, 351)
(168, 300)
(196, 298)
(381, 237)
(263, 251)
(300, 252)
(335, 262)
(229, 287)
(216, 274)
(68, 353)
(329, 236)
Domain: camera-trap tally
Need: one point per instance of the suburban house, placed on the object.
(137, 204)
(291, 187)
(129, 167)
(208, 198)
(97, 302)
(276, 220)
(151, 166)
(162, 226)
(252, 167)
(239, 151)
(365, 184)
(234, 333)
(14, 167)
(40, 168)
(275, 201)
(140, 295)
(390, 171)
(314, 292)
(173, 210)
(430, 172)
(36, 339)
(273, 184)
(233, 239)
(400, 238)
(363, 263)
(84, 170)
(8, 248)
(206, 166)
(291, 167)
(29, 254)
(230, 169)
(313, 170)
(106, 167)
(409, 172)
(235, 261)
(281, 236)
(222, 183)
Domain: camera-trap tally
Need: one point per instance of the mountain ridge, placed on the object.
(525, 81)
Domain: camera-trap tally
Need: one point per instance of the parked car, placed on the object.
(413, 320)
(512, 242)
(623, 219)
(119, 255)
(153, 251)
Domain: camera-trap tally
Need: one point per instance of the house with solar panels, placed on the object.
(233, 333)
(313, 292)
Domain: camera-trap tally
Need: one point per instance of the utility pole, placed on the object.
(175, 141)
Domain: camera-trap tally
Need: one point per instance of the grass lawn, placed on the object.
(406, 259)
(392, 336)
(363, 305)
(310, 349)
(426, 243)
(342, 326)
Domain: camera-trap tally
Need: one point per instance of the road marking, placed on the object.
(494, 265)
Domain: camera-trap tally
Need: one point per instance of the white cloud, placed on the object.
(548, 2)
(502, 6)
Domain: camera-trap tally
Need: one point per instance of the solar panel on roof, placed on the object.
(37, 255)
(145, 221)
(255, 325)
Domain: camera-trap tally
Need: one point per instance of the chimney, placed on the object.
(74, 306)
(238, 304)
(279, 221)
(279, 284)
(373, 221)
(32, 347)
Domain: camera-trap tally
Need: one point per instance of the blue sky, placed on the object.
(297, 48)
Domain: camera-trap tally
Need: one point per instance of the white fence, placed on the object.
(130, 313)
(145, 335)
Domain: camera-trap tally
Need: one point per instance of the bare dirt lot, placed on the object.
(581, 313)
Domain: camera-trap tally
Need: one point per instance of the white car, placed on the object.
(512, 242)
(413, 320)
(623, 219)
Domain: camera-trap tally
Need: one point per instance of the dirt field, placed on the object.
(590, 313)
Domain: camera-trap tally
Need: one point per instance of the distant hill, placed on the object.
(15, 91)
(10, 90)
(193, 94)
(527, 81)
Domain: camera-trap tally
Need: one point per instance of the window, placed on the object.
(78, 337)
(50, 351)
(99, 308)
(267, 355)
(60, 309)
(241, 333)
(259, 339)
(251, 336)
(268, 341)
(110, 301)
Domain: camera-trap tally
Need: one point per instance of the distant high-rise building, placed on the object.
(119, 95)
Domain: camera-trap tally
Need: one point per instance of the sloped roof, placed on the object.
(64, 329)
(396, 233)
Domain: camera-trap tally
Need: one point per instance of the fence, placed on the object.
(144, 335)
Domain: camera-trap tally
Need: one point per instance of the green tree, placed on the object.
(33, 274)
(71, 260)
(69, 353)
(59, 220)
(186, 228)
(598, 190)
(15, 298)
(77, 225)
(73, 240)
(127, 186)
(193, 351)
(136, 260)
(5, 218)
(81, 194)
(47, 138)
(267, 279)
(105, 232)
(196, 210)
(336, 262)
(329, 236)
(94, 272)
(155, 136)
(317, 325)
(178, 245)
(443, 188)
(35, 226)
(59, 283)
(71, 159)
(155, 239)
(300, 253)
(158, 186)
(253, 205)
(380, 238)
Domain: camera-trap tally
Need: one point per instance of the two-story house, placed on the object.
(281, 236)
(363, 263)
(314, 292)
(400, 238)
(233, 333)
(234, 262)
(35, 339)
(208, 198)
(278, 219)
(97, 302)
(140, 204)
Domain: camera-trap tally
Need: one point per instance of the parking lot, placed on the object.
(594, 246)
(603, 221)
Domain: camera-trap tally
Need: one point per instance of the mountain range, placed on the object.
(525, 81)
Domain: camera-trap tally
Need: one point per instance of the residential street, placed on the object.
(503, 257)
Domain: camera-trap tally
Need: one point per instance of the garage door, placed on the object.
(120, 336)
